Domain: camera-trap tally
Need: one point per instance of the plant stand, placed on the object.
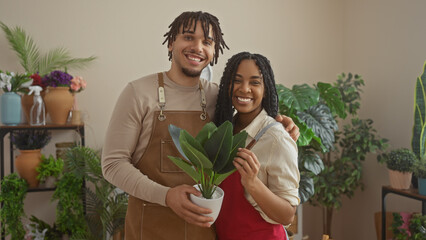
(410, 193)
(4, 130)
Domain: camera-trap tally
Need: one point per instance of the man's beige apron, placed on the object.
(149, 221)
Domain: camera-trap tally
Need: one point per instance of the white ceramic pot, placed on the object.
(214, 204)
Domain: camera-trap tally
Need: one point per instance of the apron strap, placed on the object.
(162, 99)
(259, 134)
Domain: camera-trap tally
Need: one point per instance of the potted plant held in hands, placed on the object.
(29, 143)
(400, 164)
(209, 158)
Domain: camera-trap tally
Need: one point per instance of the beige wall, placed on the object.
(306, 41)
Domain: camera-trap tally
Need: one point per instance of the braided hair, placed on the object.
(188, 19)
(224, 109)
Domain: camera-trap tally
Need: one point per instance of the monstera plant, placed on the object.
(208, 156)
(330, 161)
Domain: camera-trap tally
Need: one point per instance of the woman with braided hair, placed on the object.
(262, 194)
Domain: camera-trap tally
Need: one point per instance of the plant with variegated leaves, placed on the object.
(208, 156)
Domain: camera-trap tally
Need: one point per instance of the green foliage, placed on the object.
(419, 168)
(49, 167)
(401, 160)
(417, 227)
(105, 207)
(12, 195)
(418, 141)
(31, 59)
(52, 232)
(209, 155)
(330, 161)
(69, 211)
(30, 139)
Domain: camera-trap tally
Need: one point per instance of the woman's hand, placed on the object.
(248, 166)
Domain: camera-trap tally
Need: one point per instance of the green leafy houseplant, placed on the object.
(418, 140)
(39, 225)
(105, 206)
(31, 59)
(330, 161)
(30, 139)
(416, 226)
(49, 167)
(419, 168)
(12, 195)
(401, 160)
(209, 154)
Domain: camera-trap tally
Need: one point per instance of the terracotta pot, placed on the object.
(26, 164)
(27, 103)
(400, 180)
(59, 102)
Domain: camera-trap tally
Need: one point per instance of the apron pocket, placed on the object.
(168, 148)
(161, 223)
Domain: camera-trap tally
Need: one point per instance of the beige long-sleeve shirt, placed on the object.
(130, 128)
(277, 154)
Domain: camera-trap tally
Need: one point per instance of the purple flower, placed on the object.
(57, 79)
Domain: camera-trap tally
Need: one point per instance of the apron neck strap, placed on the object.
(162, 99)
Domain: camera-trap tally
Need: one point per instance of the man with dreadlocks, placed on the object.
(137, 141)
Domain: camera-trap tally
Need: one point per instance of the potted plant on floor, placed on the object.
(330, 160)
(209, 159)
(12, 195)
(49, 170)
(419, 171)
(29, 142)
(400, 163)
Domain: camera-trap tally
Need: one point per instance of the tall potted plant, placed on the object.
(330, 161)
(10, 107)
(12, 194)
(418, 140)
(208, 159)
(29, 142)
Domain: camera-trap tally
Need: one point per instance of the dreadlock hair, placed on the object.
(224, 109)
(188, 19)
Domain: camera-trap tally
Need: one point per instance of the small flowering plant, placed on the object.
(57, 79)
(37, 80)
(12, 82)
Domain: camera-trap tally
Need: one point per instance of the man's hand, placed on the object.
(289, 126)
(177, 199)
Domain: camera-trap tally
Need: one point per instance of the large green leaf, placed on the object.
(205, 133)
(24, 47)
(311, 161)
(331, 95)
(239, 141)
(299, 98)
(218, 147)
(186, 167)
(221, 177)
(175, 133)
(418, 138)
(321, 121)
(306, 188)
(192, 141)
(197, 158)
